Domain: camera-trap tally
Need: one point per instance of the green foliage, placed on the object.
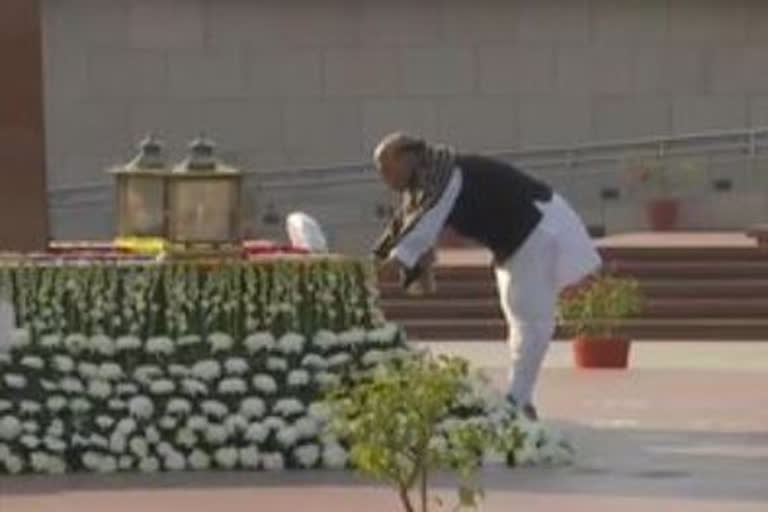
(391, 421)
(176, 299)
(597, 309)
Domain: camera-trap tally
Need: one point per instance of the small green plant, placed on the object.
(393, 422)
(597, 309)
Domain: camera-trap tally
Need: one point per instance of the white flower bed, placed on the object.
(78, 403)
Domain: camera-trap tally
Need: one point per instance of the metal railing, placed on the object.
(351, 203)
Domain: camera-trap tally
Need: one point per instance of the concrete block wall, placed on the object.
(307, 83)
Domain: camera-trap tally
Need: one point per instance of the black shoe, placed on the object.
(529, 411)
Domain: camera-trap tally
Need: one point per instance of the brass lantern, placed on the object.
(142, 193)
(204, 198)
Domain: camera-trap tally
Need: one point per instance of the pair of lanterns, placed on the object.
(197, 201)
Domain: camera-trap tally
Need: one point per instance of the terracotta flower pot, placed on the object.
(601, 353)
(663, 214)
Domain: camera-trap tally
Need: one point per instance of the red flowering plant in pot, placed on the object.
(592, 315)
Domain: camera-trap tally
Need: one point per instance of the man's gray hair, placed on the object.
(398, 143)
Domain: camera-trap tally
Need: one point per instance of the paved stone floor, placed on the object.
(685, 429)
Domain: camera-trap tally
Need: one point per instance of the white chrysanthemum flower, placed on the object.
(256, 433)
(199, 460)
(259, 341)
(110, 371)
(325, 340)
(125, 462)
(252, 407)
(100, 389)
(80, 405)
(33, 362)
(264, 383)
(175, 461)
(216, 434)
(272, 461)
(197, 423)
(104, 421)
(56, 428)
(236, 424)
(14, 464)
(5, 358)
(15, 381)
(214, 408)
(30, 407)
(125, 343)
(50, 341)
(299, 378)
(162, 387)
(374, 357)
(74, 343)
(287, 437)
(152, 434)
(277, 364)
(233, 386)
(102, 344)
(220, 342)
(126, 388)
(10, 428)
(188, 340)
(274, 423)
(315, 362)
(178, 406)
(64, 364)
(236, 366)
(97, 441)
(48, 385)
(87, 370)
(147, 373)
(20, 338)
(194, 388)
(5, 405)
(288, 407)
(320, 411)
(55, 445)
(186, 437)
(291, 343)
(207, 370)
(337, 360)
(141, 407)
(326, 379)
(71, 385)
(117, 443)
(29, 441)
(164, 448)
(160, 345)
(126, 426)
(307, 427)
(179, 371)
(307, 455)
(352, 337)
(149, 465)
(226, 457)
(91, 460)
(30, 427)
(334, 456)
(168, 423)
(249, 457)
(139, 446)
(384, 335)
(116, 404)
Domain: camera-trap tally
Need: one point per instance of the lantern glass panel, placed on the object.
(142, 206)
(204, 209)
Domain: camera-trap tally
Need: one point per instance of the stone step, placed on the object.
(703, 288)
(415, 308)
(664, 329)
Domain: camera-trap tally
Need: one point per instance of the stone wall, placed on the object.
(315, 83)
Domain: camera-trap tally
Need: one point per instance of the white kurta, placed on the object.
(557, 253)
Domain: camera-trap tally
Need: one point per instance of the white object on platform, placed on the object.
(305, 232)
(7, 318)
